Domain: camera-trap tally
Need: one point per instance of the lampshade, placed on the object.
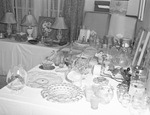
(29, 20)
(59, 23)
(8, 18)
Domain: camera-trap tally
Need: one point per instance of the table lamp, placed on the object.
(59, 24)
(29, 21)
(9, 19)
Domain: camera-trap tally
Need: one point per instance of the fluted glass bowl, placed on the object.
(63, 93)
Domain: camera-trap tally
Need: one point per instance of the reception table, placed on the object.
(13, 53)
(30, 102)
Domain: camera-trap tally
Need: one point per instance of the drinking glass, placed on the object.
(139, 104)
(94, 102)
(123, 95)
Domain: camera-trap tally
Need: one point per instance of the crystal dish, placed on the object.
(63, 93)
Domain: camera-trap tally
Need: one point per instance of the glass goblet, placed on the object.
(16, 78)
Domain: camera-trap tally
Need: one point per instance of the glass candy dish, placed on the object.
(63, 93)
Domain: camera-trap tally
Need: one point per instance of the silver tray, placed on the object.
(63, 93)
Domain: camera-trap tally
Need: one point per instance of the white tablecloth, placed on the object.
(30, 102)
(14, 53)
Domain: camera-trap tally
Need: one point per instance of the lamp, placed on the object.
(9, 19)
(29, 21)
(59, 24)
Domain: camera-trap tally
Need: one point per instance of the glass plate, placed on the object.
(63, 93)
(39, 79)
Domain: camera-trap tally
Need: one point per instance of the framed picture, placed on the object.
(140, 47)
(119, 6)
(44, 28)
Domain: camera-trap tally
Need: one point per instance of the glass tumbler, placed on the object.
(121, 90)
(94, 102)
(139, 104)
(122, 94)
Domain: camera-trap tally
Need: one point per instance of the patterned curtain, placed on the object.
(73, 14)
(5, 5)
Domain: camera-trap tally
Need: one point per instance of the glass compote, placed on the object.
(16, 78)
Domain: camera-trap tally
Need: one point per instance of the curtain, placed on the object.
(5, 5)
(73, 14)
(48, 8)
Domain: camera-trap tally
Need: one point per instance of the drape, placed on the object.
(5, 5)
(48, 8)
(21, 8)
(73, 14)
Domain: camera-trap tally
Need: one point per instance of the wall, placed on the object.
(89, 6)
(146, 21)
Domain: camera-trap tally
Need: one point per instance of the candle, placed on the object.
(143, 49)
(137, 50)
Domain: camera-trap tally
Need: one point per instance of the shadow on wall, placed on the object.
(2, 81)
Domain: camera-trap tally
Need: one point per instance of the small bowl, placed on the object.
(33, 41)
(48, 43)
(51, 67)
(63, 43)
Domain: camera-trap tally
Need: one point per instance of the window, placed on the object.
(21, 8)
(48, 8)
(54, 8)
